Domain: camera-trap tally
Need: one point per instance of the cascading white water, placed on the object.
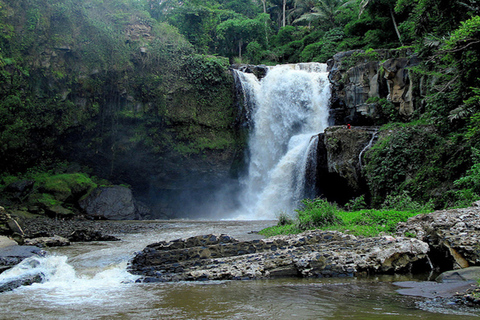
(288, 107)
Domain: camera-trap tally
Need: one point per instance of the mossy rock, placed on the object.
(59, 211)
(43, 200)
(66, 186)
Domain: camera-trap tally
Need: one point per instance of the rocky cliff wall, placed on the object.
(134, 102)
(372, 87)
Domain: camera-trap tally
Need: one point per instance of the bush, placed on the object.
(356, 204)
(318, 213)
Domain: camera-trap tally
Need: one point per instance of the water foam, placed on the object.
(63, 285)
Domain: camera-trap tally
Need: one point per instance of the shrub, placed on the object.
(317, 213)
(356, 204)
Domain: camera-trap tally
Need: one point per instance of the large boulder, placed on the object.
(113, 203)
(340, 154)
(310, 254)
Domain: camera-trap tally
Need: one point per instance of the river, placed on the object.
(90, 281)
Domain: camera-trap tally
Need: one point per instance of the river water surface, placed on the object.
(89, 281)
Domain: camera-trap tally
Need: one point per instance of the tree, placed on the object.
(390, 4)
(234, 34)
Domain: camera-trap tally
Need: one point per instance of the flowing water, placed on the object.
(288, 109)
(89, 281)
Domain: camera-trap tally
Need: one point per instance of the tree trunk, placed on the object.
(396, 27)
(284, 9)
(240, 43)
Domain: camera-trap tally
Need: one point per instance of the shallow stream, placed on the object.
(89, 281)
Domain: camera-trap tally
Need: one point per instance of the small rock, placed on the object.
(55, 241)
(89, 235)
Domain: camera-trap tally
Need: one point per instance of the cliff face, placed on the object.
(370, 89)
(125, 95)
(373, 87)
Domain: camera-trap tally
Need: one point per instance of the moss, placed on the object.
(43, 199)
(64, 186)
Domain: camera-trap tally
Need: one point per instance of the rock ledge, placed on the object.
(309, 254)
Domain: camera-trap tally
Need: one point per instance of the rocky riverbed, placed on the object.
(439, 241)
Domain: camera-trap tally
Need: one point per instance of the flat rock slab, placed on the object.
(467, 274)
(432, 289)
(6, 242)
(310, 254)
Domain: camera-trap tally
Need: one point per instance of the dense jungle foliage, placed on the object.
(128, 77)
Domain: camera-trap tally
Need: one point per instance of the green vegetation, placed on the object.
(45, 190)
(105, 81)
(320, 214)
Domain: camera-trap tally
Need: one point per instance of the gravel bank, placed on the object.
(63, 228)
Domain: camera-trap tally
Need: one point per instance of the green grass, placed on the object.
(319, 214)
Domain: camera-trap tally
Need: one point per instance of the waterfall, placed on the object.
(368, 146)
(288, 109)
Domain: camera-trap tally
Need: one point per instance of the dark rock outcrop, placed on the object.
(258, 70)
(12, 254)
(340, 160)
(85, 235)
(310, 254)
(21, 281)
(113, 203)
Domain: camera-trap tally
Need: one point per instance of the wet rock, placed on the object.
(432, 289)
(467, 274)
(310, 254)
(113, 203)
(12, 254)
(90, 235)
(26, 280)
(258, 70)
(55, 241)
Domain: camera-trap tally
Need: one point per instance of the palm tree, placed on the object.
(300, 8)
(326, 10)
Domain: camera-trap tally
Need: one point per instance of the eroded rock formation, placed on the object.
(310, 254)
(357, 76)
(453, 235)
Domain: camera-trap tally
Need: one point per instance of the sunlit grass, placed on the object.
(319, 214)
